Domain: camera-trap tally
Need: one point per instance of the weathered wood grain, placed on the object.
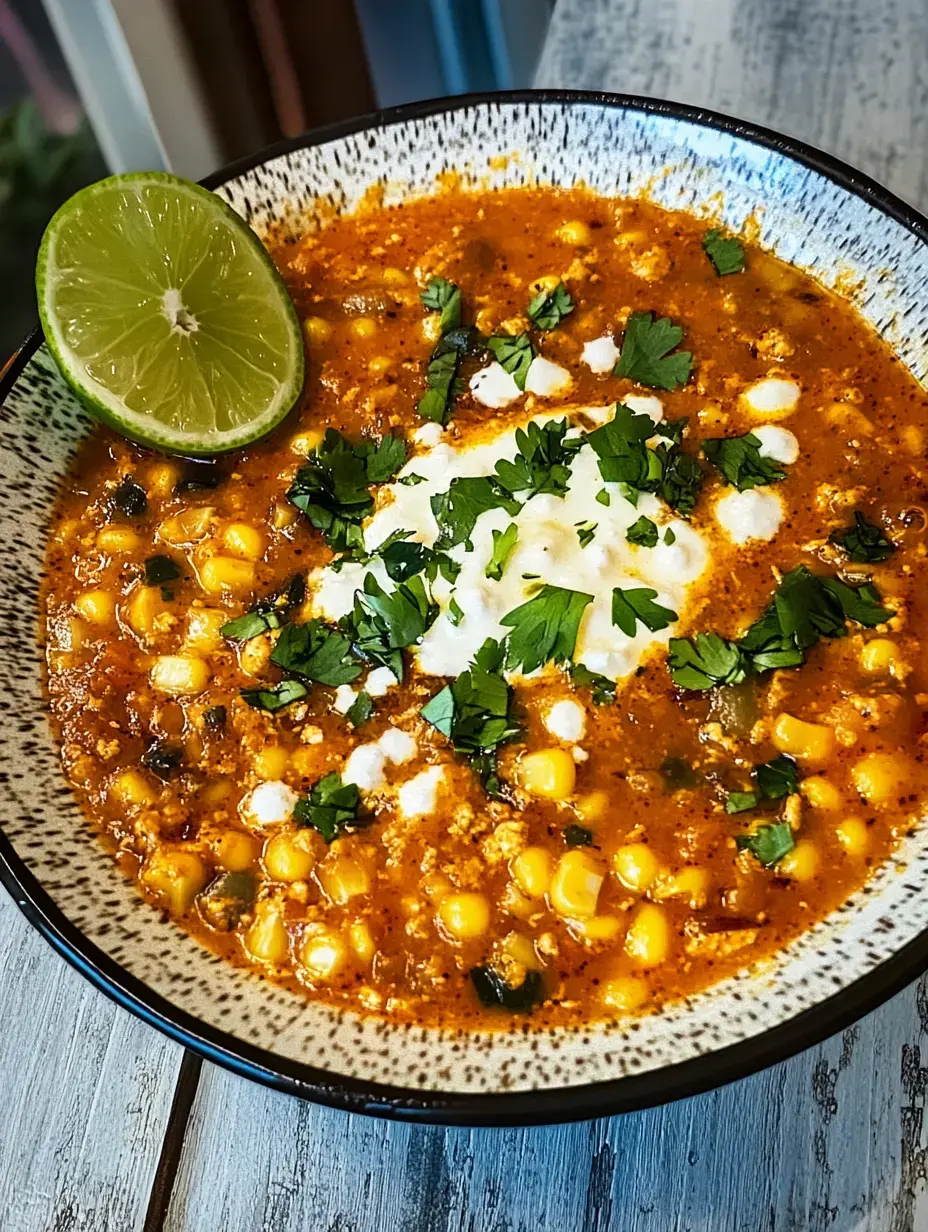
(85, 1093)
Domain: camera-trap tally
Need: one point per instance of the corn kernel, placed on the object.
(853, 836)
(114, 539)
(881, 777)
(593, 806)
(521, 949)
(574, 232)
(531, 871)
(203, 625)
(636, 866)
(305, 761)
(254, 654)
(380, 365)
(549, 773)
(811, 742)
(132, 789)
(363, 328)
(690, 884)
(435, 886)
(317, 330)
(547, 282)
(626, 993)
(284, 516)
(599, 928)
(306, 443)
(271, 762)
(431, 326)
(96, 606)
(647, 941)
(215, 793)
(913, 437)
(342, 879)
(267, 940)
(821, 793)
(236, 851)
(76, 634)
(162, 479)
(243, 540)
(800, 864)
(880, 657)
(179, 675)
(145, 603)
(361, 941)
(176, 877)
(465, 915)
(576, 884)
(225, 574)
(323, 954)
(290, 856)
(188, 527)
(514, 902)
(394, 277)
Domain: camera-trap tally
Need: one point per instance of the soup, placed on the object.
(558, 656)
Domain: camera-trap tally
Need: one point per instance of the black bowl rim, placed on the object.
(517, 1108)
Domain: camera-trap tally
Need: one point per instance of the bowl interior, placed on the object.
(845, 239)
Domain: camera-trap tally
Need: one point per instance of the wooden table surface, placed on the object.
(106, 1125)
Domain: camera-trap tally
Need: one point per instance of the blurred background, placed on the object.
(90, 87)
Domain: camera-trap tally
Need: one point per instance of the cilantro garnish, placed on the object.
(586, 532)
(578, 836)
(411, 481)
(768, 844)
(457, 510)
(672, 429)
(774, 779)
(669, 536)
(316, 652)
(630, 606)
(269, 613)
(624, 458)
(161, 569)
(514, 355)
(603, 497)
(724, 251)
(332, 488)
(704, 661)
(330, 807)
(740, 462)
(602, 689)
(442, 375)
(681, 478)
(543, 463)
(360, 709)
(548, 308)
(545, 628)
(382, 624)
(455, 612)
(504, 541)
(495, 993)
(276, 696)
(646, 357)
(863, 542)
(443, 296)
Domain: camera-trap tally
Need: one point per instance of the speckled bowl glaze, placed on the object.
(827, 219)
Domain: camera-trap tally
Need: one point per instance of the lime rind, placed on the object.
(206, 394)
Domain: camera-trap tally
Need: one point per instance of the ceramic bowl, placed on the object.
(808, 209)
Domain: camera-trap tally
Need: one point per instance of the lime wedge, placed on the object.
(166, 314)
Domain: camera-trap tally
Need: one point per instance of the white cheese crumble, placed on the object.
(777, 443)
(366, 763)
(398, 746)
(380, 679)
(600, 355)
(494, 387)
(547, 379)
(417, 796)
(773, 397)
(428, 435)
(344, 698)
(645, 404)
(269, 804)
(755, 514)
(567, 720)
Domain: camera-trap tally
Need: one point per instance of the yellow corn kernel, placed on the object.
(514, 902)
(317, 330)
(243, 540)
(811, 742)
(96, 606)
(342, 879)
(225, 574)
(435, 886)
(363, 328)
(821, 793)
(284, 516)
(271, 762)
(465, 915)
(599, 928)
(853, 836)
(75, 634)
(394, 277)
(162, 479)
(306, 442)
(431, 326)
(547, 282)
(215, 793)
(290, 855)
(236, 851)
(593, 806)
(576, 884)
(913, 437)
(380, 365)
(179, 675)
(690, 884)
(880, 657)
(114, 539)
(625, 994)
(323, 954)
(636, 866)
(521, 949)
(267, 939)
(549, 773)
(145, 603)
(881, 777)
(254, 654)
(203, 625)
(531, 871)
(574, 232)
(132, 789)
(361, 941)
(305, 760)
(176, 877)
(188, 527)
(647, 941)
(801, 864)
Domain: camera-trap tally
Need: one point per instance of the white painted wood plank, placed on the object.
(85, 1093)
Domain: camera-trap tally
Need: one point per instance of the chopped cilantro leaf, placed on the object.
(316, 652)
(514, 355)
(643, 533)
(603, 497)
(672, 429)
(724, 251)
(443, 296)
(382, 624)
(442, 375)
(252, 624)
(578, 836)
(268, 613)
(740, 462)
(645, 356)
(330, 806)
(704, 661)
(669, 537)
(545, 628)
(768, 844)
(863, 542)
(680, 480)
(160, 569)
(586, 532)
(455, 612)
(741, 801)
(504, 541)
(411, 481)
(777, 778)
(360, 709)
(620, 447)
(602, 689)
(548, 308)
(630, 606)
(457, 510)
(543, 462)
(275, 697)
(495, 993)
